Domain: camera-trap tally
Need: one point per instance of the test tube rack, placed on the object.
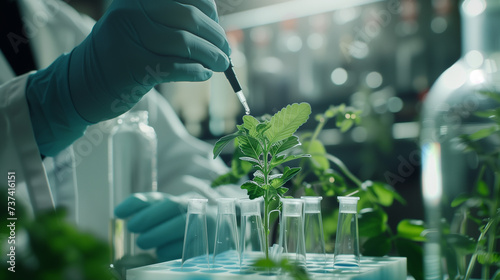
(372, 268)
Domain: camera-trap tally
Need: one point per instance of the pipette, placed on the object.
(231, 76)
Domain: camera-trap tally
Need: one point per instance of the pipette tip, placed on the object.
(243, 101)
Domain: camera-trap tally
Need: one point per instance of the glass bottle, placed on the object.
(449, 112)
(132, 168)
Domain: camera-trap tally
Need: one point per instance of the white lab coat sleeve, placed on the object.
(18, 149)
(185, 163)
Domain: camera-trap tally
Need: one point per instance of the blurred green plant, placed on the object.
(326, 175)
(481, 208)
(290, 269)
(48, 247)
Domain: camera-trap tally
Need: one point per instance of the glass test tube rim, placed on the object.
(312, 201)
(296, 205)
(222, 203)
(197, 205)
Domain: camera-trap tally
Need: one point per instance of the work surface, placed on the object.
(373, 268)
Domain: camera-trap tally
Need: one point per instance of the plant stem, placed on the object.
(318, 129)
(493, 213)
(474, 256)
(344, 169)
(266, 224)
(266, 202)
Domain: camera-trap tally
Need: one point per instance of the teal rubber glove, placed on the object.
(136, 45)
(160, 221)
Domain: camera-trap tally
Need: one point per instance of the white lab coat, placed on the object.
(185, 163)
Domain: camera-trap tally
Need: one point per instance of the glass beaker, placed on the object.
(132, 169)
(313, 228)
(346, 252)
(252, 232)
(226, 232)
(195, 248)
(452, 110)
(292, 231)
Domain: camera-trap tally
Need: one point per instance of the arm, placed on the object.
(134, 46)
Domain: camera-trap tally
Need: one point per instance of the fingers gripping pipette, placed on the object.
(231, 76)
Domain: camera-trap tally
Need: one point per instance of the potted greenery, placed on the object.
(263, 146)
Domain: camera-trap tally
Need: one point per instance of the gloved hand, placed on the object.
(160, 220)
(134, 46)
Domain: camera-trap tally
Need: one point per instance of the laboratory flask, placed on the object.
(251, 244)
(195, 248)
(226, 232)
(132, 169)
(346, 252)
(449, 112)
(313, 228)
(291, 238)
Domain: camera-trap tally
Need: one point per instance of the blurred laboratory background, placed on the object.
(378, 56)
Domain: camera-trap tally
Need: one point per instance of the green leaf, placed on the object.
(253, 189)
(223, 141)
(376, 246)
(317, 151)
(276, 161)
(225, 179)
(384, 193)
(491, 94)
(483, 133)
(385, 196)
(332, 183)
(331, 112)
(265, 263)
(239, 168)
(259, 180)
(250, 159)
(263, 127)
(250, 146)
(482, 189)
(282, 190)
(250, 123)
(285, 122)
(258, 174)
(463, 245)
(281, 146)
(486, 258)
(345, 125)
(288, 174)
(489, 114)
(460, 199)
(414, 255)
(411, 229)
(372, 222)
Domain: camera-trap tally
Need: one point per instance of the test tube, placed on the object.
(292, 231)
(313, 228)
(226, 232)
(346, 252)
(252, 231)
(195, 248)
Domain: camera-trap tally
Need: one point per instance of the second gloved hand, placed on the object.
(160, 221)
